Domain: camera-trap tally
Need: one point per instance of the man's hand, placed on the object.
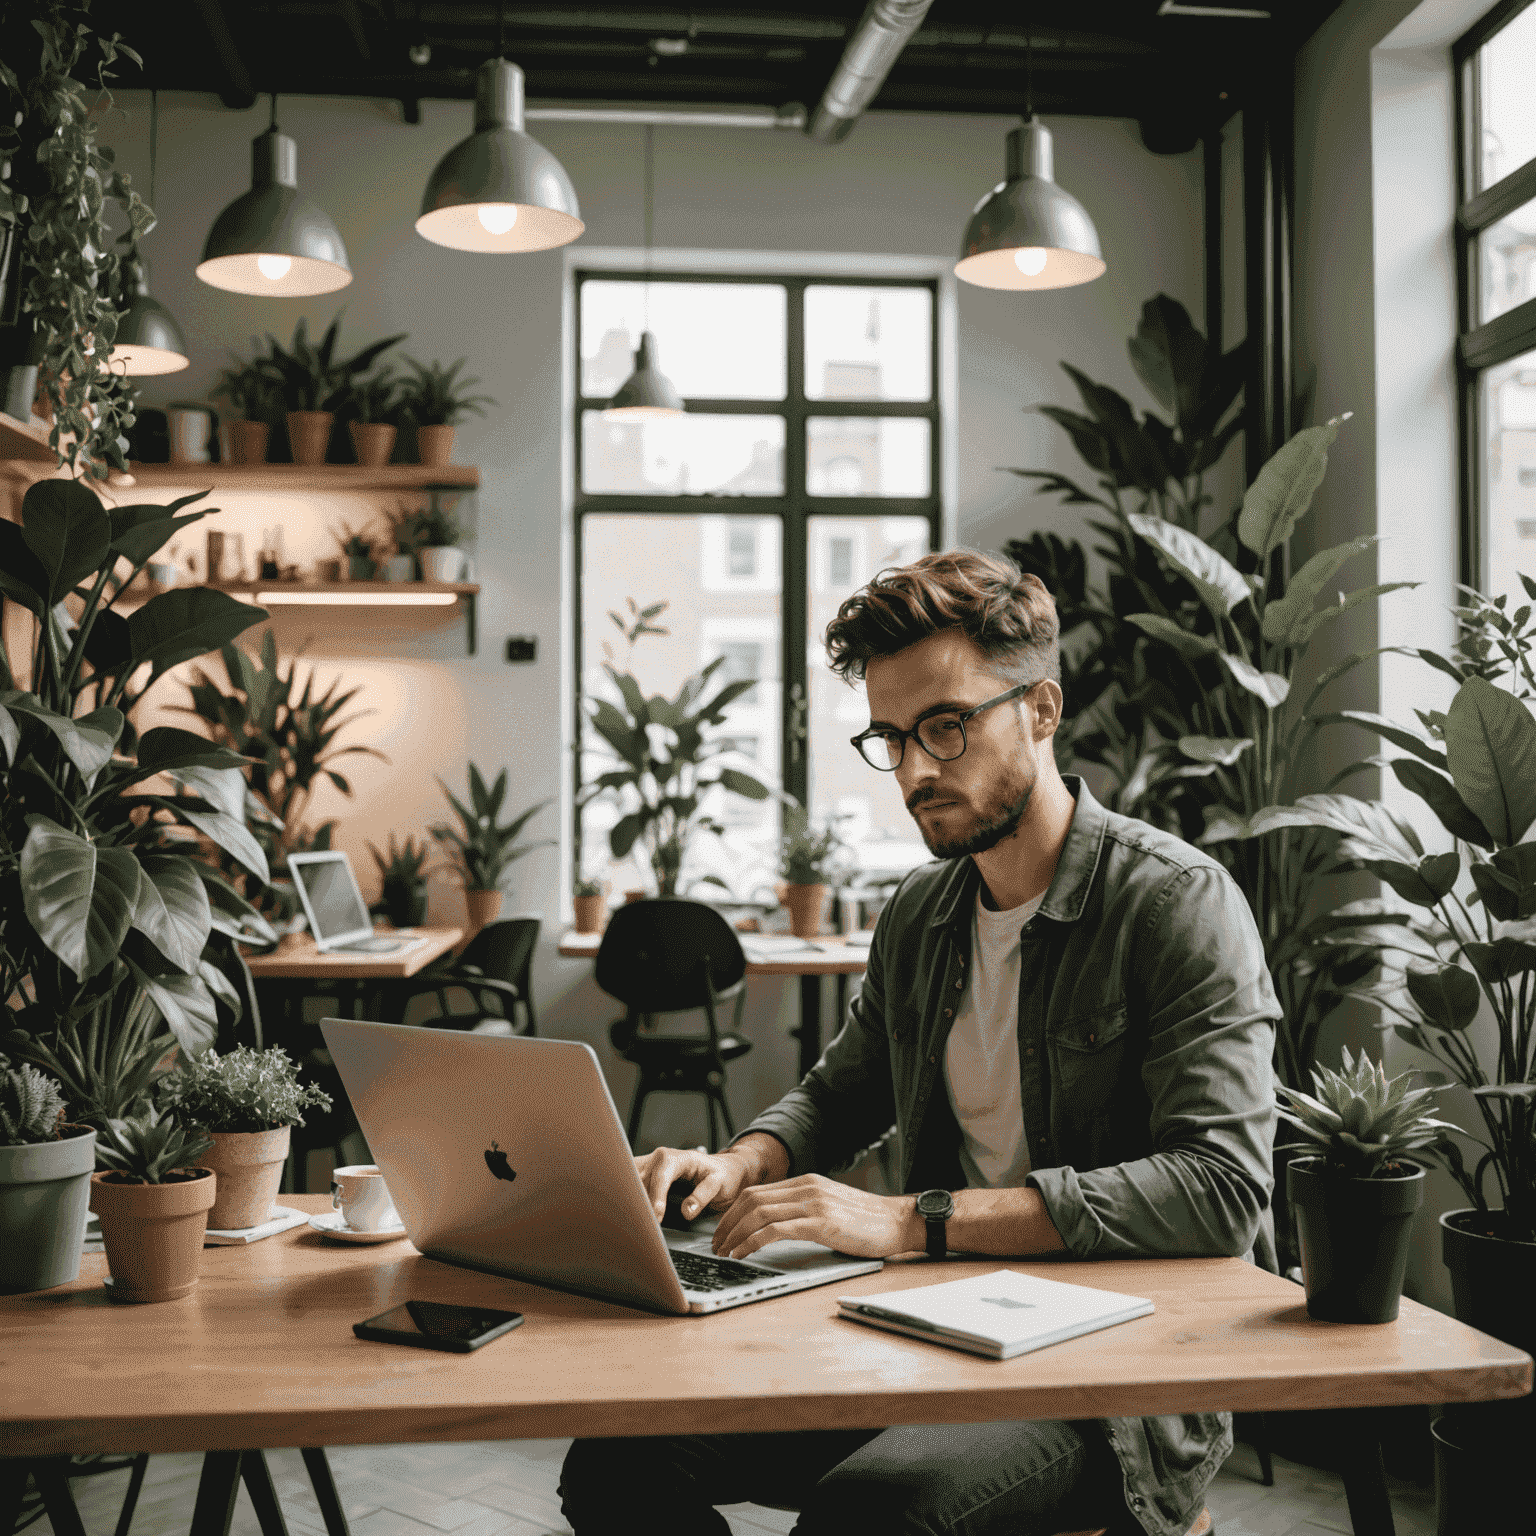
(717, 1177)
(820, 1210)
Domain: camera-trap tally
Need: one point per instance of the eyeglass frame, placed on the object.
(961, 715)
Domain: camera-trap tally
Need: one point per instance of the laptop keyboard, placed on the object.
(701, 1272)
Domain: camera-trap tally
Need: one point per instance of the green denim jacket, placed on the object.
(1146, 1030)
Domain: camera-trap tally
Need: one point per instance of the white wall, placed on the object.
(901, 185)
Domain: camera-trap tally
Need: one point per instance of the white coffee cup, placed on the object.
(362, 1196)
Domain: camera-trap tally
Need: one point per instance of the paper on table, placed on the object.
(282, 1219)
(771, 945)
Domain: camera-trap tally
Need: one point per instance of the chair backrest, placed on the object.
(652, 955)
(504, 950)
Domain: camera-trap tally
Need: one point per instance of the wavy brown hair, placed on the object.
(1011, 616)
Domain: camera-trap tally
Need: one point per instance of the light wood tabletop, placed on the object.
(296, 958)
(262, 1354)
(829, 954)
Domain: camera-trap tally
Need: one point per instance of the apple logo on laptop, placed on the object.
(496, 1161)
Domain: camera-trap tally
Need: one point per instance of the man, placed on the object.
(1069, 1022)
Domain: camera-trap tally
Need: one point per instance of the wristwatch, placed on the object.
(936, 1206)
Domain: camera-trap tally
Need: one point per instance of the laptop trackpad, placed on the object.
(790, 1256)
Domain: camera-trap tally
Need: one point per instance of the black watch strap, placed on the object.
(936, 1206)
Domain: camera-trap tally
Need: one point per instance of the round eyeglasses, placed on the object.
(941, 735)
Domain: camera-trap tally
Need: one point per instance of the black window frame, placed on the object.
(794, 508)
(1481, 345)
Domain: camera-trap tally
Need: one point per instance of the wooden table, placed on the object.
(297, 959)
(834, 957)
(262, 1354)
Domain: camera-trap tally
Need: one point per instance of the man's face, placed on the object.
(971, 803)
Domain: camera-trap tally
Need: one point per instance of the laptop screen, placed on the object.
(333, 897)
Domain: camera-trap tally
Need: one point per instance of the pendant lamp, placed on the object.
(274, 241)
(148, 339)
(1027, 232)
(499, 190)
(647, 392)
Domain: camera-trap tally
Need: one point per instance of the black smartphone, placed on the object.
(438, 1325)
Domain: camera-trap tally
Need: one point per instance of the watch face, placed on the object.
(935, 1202)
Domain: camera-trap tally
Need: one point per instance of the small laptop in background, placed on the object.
(338, 915)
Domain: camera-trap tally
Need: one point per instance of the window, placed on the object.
(808, 460)
(1496, 249)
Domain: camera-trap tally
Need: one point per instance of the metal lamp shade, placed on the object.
(499, 190)
(647, 392)
(1027, 232)
(148, 339)
(274, 241)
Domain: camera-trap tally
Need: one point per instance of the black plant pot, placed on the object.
(405, 907)
(1354, 1236)
(1480, 1480)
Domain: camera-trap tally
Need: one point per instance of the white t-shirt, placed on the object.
(981, 1060)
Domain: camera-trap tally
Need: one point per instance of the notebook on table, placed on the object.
(999, 1315)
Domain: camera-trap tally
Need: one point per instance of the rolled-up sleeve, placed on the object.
(1198, 965)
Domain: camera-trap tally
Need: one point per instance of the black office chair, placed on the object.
(495, 968)
(672, 956)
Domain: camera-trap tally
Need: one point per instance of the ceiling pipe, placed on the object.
(883, 31)
(790, 116)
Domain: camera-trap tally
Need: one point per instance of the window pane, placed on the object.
(1508, 414)
(1506, 67)
(867, 456)
(1507, 251)
(692, 455)
(715, 341)
(844, 553)
(868, 343)
(714, 611)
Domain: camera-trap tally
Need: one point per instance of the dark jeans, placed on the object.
(1031, 1478)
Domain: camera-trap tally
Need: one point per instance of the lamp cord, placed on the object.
(501, 29)
(1029, 75)
(154, 141)
(272, 126)
(650, 193)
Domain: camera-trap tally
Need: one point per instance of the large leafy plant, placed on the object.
(108, 914)
(482, 848)
(65, 182)
(667, 764)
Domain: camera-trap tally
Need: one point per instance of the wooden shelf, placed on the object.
(25, 440)
(360, 594)
(302, 477)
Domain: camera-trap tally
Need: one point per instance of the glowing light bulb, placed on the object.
(498, 218)
(1030, 260)
(274, 268)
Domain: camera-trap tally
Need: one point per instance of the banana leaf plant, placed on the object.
(106, 913)
(667, 763)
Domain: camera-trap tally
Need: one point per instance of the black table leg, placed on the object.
(809, 1033)
(14, 1476)
(216, 1491)
(257, 1477)
(325, 1490)
(51, 1474)
(1365, 1479)
(131, 1498)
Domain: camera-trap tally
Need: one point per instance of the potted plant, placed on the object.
(1356, 1194)
(313, 382)
(403, 883)
(480, 848)
(437, 537)
(371, 403)
(808, 862)
(434, 400)
(589, 899)
(358, 553)
(403, 533)
(45, 1182)
(153, 1203)
(665, 765)
(252, 391)
(247, 1101)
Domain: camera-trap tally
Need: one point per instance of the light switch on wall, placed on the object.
(522, 648)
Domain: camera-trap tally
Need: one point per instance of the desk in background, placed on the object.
(261, 1354)
(833, 956)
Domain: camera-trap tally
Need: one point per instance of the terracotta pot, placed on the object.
(248, 442)
(630, 897)
(153, 1234)
(805, 904)
(483, 908)
(434, 445)
(309, 435)
(44, 1189)
(249, 1165)
(372, 442)
(590, 911)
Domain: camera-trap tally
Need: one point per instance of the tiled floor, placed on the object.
(495, 1488)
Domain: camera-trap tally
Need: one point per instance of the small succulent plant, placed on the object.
(1362, 1121)
(148, 1146)
(31, 1106)
(243, 1090)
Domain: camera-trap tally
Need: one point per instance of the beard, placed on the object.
(998, 818)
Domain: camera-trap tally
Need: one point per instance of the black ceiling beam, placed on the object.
(235, 88)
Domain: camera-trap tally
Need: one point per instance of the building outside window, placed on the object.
(807, 461)
(1496, 247)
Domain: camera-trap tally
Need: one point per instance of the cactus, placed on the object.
(31, 1106)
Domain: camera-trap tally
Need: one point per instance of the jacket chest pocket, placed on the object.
(1087, 1052)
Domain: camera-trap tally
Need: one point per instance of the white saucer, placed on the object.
(333, 1224)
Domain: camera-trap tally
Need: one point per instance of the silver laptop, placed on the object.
(507, 1154)
(338, 915)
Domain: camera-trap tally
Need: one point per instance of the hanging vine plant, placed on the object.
(66, 182)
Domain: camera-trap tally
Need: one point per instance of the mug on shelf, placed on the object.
(445, 562)
(193, 427)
